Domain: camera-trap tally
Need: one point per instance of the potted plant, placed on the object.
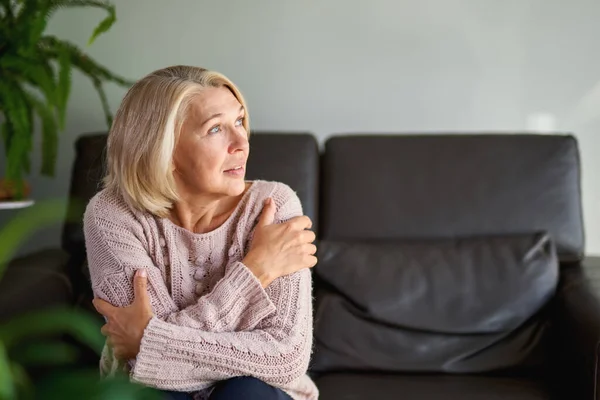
(35, 80)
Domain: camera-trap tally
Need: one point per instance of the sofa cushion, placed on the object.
(456, 305)
(429, 387)
(34, 282)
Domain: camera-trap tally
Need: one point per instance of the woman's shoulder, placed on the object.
(105, 201)
(280, 192)
(109, 205)
(286, 200)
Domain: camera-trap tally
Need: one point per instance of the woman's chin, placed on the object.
(236, 187)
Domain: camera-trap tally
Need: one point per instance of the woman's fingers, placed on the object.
(103, 307)
(105, 330)
(267, 217)
(140, 287)
(307, 236)
(300, 223)
(310, 261)
(304, 257)
(301, 238)
(309, 248)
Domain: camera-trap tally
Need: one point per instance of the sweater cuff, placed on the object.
(248, 302)
(150, 359)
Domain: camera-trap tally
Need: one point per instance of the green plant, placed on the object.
(18, 351)
(31, 63)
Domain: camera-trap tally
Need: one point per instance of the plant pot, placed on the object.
(9, 191)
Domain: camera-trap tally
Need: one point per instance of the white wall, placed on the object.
(380, 65)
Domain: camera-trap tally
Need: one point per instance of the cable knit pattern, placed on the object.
(213, 320)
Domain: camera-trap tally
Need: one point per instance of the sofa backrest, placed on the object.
(291, 158)
(440, 186)
(86, 176)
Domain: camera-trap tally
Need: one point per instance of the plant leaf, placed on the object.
(31, 21)
(21, 381)
(7, 388)
(24, 223)
(49, 135)
(7, 16)
(13, 104)
(72, 384)
(27, 145)
(103, 26)
(104, 101)
(34, 71)
(20, 142)
(79, 324)
(17, 112)
(88, 66)
(6, 133)
(51, 45)
(64, 85)
(46, 354)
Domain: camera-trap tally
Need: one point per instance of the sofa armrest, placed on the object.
(34, 282)
(578, 325)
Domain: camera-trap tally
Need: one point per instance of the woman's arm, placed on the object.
(236, 303)
(277, 352)
(116, 248)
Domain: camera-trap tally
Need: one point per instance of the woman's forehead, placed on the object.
(213, 101)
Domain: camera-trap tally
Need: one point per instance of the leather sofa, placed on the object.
(450, 265)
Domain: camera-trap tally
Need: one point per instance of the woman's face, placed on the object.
(211, 153)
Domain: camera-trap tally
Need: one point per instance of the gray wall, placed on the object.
(346, 66)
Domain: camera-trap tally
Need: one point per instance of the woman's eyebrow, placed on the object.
(218, 115)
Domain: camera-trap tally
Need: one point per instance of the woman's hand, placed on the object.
(126, 325)
(280, 249)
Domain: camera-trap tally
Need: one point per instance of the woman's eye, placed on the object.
(239, 122)
(215, 129)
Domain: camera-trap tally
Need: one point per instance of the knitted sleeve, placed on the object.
(277, 351)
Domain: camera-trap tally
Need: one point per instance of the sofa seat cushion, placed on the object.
(34, 282)
(345, 386)
(441, 305)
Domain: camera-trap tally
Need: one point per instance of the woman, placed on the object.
(221, 304)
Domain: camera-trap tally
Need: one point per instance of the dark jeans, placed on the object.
(240, 388)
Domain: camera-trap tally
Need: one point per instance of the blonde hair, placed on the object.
(145, 130)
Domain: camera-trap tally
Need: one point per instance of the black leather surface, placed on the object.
(291, 158)
(86, 175)
(430, 387)
(426, 186)
(462, 305)
(577, 317)
(34, 282)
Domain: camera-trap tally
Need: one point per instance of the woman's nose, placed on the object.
(239, 142)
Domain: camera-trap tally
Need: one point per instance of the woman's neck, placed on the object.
(201, 214)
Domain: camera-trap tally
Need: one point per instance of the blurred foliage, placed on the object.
(37, 339)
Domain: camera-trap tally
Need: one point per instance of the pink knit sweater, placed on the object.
(213, 320)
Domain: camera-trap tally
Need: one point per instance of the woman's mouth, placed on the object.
(236, 171)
